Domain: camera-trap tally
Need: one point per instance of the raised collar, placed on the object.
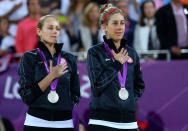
(47, 53)
(112, 45)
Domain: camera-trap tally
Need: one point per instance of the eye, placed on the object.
(114, 23)
(58, 28)
(122, 22)
(50, 28)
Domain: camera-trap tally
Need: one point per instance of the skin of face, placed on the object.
(4, 25)
(122, 4)
(115, 27)
(34, 6)
(50, 31)
(149, 10)
(94, 13)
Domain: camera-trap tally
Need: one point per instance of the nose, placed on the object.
(55, 31)
(120, 26)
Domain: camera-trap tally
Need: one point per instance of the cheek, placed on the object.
(109, 31)
(45, 35)
(123, 28)
(153, 11)
(58, 34)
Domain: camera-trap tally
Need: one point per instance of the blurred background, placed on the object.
(157, 29)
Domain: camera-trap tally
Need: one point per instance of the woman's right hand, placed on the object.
(122, 56)
(58, 70)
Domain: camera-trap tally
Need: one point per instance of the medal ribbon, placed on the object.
(54, 82)
(122, 78)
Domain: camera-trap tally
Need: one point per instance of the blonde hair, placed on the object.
(42, 19)
(85, 20)
(104, 10)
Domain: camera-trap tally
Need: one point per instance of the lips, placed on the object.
(54, 36)
(118, 33)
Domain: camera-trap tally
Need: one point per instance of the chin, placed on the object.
(118, 38)
(52, 41)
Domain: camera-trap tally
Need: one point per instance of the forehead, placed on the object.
(149, 3)
(33, 1)
(51, 21)
(117, 17)
(95, 7)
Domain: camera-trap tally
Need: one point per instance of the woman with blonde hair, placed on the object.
(116, 79)
(90, 33)
(49, 81)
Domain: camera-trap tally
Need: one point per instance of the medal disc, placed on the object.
(53, 97)
(123, 94)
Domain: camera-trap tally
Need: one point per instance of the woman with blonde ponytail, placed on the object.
(116, 79)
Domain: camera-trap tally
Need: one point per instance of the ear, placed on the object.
(38, 32)
(104, 27)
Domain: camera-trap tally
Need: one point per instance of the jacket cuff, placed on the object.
(36, 91)
(117, 65)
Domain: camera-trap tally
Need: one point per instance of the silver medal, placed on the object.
(53, 97)
(123, 94)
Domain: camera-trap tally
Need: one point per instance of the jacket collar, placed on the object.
(47, 53)
(112, 45)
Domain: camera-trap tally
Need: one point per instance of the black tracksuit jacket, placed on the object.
(103, 74)
(32, 70)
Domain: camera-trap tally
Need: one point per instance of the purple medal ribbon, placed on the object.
(54, 82)
(109, 51)
(122, 78)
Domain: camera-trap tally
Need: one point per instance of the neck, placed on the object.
(4, 34)
(177, 4)
(50, 47)
(34, 16)
(79, 7)
(150, 18)
(117, 44)
(94, 24)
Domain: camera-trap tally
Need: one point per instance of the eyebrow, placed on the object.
(117, 20)
(55, 25)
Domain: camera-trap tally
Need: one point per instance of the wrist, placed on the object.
(51, 76)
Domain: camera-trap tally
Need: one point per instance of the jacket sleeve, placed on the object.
(75, 83)
(101, 76)
(29, 90)
(139, 85)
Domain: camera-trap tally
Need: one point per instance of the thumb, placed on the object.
(51, 64)
(113, 52)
